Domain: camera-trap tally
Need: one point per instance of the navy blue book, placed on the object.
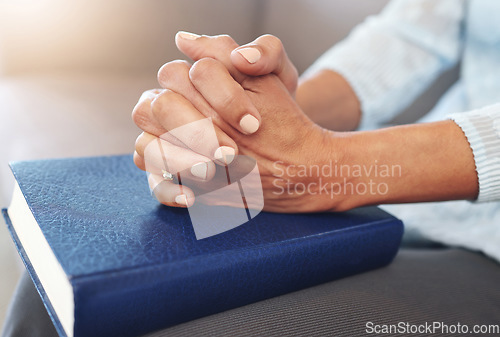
(108, 260)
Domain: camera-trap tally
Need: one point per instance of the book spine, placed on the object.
(134, 302)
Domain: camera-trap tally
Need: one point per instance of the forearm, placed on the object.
(328, 99)
(411, 163)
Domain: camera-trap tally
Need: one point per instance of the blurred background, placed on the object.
(71, 71)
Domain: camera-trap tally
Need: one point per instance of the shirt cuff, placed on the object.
(482, 129)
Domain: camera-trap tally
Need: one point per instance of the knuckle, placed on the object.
(139, 161)
(273, 43)
(172, 70)
(159, 106)
(140, 144)
(200, 69)
(295, 75)
(228, 100)
(197, 139)
(140, 113)
(225, 40)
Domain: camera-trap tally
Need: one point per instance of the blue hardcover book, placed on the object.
(108, 260)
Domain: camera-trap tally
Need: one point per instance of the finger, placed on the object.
(144, 118)
(228, 98)
(157, 155)
(169, 193)
(184, 122)
(139, 161)
(142, 114)
(175, 77)
(218, 47)
(263, 56)
(246, 118)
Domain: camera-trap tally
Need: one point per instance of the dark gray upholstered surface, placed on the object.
(421, 285)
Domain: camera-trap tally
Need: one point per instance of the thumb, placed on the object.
(263, 56)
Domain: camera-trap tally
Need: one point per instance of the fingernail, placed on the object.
(252, 55)
(249, 124)
(224, 154)
(181, 199)
(187, 35)
(200, 170)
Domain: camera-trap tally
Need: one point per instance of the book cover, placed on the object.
(109, 260)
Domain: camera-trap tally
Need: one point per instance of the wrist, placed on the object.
(371, 167)
(406, 164)
(338, 172)
(358, 176)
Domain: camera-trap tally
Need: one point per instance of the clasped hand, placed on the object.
(248, 92)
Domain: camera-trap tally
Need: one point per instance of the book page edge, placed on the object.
(48, 269)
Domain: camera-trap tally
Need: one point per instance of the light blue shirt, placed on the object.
(391, 58)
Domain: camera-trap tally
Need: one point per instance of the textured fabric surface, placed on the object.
(421, 285)
(482, 128)
(26, 315)
(392, 57)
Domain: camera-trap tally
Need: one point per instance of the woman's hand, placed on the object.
(304, 167)
(157, 118)
(286, 141)
(265, 55)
